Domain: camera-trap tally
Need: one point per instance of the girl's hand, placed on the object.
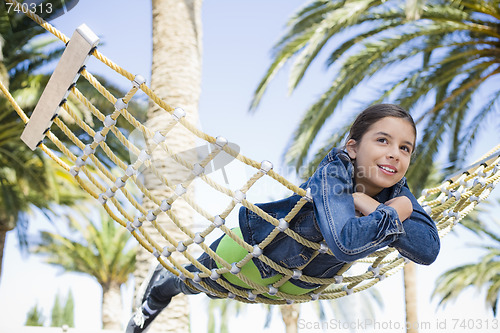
(402, 205)
(364, 204)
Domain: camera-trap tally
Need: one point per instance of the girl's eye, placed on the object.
(382, 140)
(406, 148)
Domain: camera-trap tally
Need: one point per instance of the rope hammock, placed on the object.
(120, 187)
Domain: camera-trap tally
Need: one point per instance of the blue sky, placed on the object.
(237, 41)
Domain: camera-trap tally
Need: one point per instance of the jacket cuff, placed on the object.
(395, 223)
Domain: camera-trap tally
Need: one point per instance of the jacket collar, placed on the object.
(384, 195)
(391, 192)
(342, 154)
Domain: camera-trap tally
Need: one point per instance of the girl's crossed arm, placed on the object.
(366, 205)
(420, 242)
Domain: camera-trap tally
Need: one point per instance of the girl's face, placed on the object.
(382, 156)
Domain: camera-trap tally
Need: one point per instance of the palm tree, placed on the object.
(102, 252)
(408, 50)
(28, 182)
(176, 78)
(484, 274)
(223, 309)
(27, 179)
(446, 49)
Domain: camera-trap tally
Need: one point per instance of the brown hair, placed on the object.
(374, 113)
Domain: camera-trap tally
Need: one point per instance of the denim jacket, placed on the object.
(331, 218)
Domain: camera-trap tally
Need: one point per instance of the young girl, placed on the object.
(360, 204)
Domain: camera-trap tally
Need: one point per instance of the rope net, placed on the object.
(118, 185)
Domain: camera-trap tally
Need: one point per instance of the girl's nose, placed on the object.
(393, 153)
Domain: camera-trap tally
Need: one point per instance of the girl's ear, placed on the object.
(351, 148)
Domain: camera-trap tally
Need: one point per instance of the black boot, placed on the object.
(157, 293)
(148, 311)
(143, 317)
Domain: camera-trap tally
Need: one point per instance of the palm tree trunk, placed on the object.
(176, 78)
(410, 283)
(111, 307)
(3, 233)
(7, 223)
(4, 74)
(290, 314)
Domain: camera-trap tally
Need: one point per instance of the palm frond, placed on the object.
(101, 251)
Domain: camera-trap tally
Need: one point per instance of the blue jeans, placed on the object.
(171, 285)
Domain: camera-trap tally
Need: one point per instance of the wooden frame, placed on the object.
(57, 89)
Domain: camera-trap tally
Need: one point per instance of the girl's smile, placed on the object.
(382, 156)
(389, 169)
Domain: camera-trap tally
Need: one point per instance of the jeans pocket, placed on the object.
(305, 225)
(324, 266)
(297, 260)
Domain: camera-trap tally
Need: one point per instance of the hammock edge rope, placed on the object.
(447, 204)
